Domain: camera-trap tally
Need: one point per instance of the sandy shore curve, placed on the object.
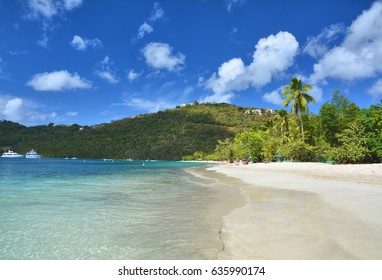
(304, 211)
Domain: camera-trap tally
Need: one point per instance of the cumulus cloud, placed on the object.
(58, 81)
(47, 9)
(359, 56)
(316, 92)
(157, 12)
(160, 56)
(132, 75)
(71, 4)
(318, 45)
(106, 72)
(81, 44)
(108, 76)
(44, 8)
(274, 97)
(21, 110)
(272, 56)
(376, 89)
(144, 29)
(13, 109)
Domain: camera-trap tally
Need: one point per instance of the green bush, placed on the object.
(298, 150)
(353, 145)
(248, 144)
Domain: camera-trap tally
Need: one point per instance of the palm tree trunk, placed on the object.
(302, 128)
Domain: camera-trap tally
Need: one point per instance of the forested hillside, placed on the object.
(166, 135)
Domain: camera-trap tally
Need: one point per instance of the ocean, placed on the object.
(104, 210)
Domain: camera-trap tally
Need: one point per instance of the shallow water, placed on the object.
(76, 209)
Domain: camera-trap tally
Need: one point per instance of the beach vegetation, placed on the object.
(248, 145)
(336, 115)
(371, 119)
(199, 155)
(298, 151)
(224, 150)
(352, 145)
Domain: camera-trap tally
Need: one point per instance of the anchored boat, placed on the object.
(32, 154)
(11, 154)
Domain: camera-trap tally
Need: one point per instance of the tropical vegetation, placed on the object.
(341, 132)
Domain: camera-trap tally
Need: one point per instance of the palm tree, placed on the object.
(297, 92)
(283, 122)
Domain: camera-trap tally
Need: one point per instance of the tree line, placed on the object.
(165, 135)
(341, 132)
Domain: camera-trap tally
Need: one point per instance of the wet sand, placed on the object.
(303, 211)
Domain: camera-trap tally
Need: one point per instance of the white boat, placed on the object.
(32, 154)
(11, 154)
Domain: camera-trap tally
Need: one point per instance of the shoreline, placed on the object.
(303, 211)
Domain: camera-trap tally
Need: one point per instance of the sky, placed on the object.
(95, 61)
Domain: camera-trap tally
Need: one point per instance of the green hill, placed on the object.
(165, 135)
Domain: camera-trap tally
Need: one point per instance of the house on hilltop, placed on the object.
(259, 111)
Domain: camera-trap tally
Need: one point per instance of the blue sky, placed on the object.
(94, 61)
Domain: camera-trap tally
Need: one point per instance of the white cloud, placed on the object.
(359, 56)
(376, 89)
(157, 12)
(272, 56)
(106, 60)
(82, 44)
(318, 45)
(71, 4)
(13, 109)
(21, 110)
(132, 75)
(316, 92)
(274, 97)
(108, 76)
(150, 106)
(45, 8)
(106, 72)
(159, 56)
(144, 29)
(50, 8)
(45, 11)
(58, 81)
(78, 43)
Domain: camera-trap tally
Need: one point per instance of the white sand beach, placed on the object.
(304, 211)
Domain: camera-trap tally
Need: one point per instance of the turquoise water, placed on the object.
(76, 209)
